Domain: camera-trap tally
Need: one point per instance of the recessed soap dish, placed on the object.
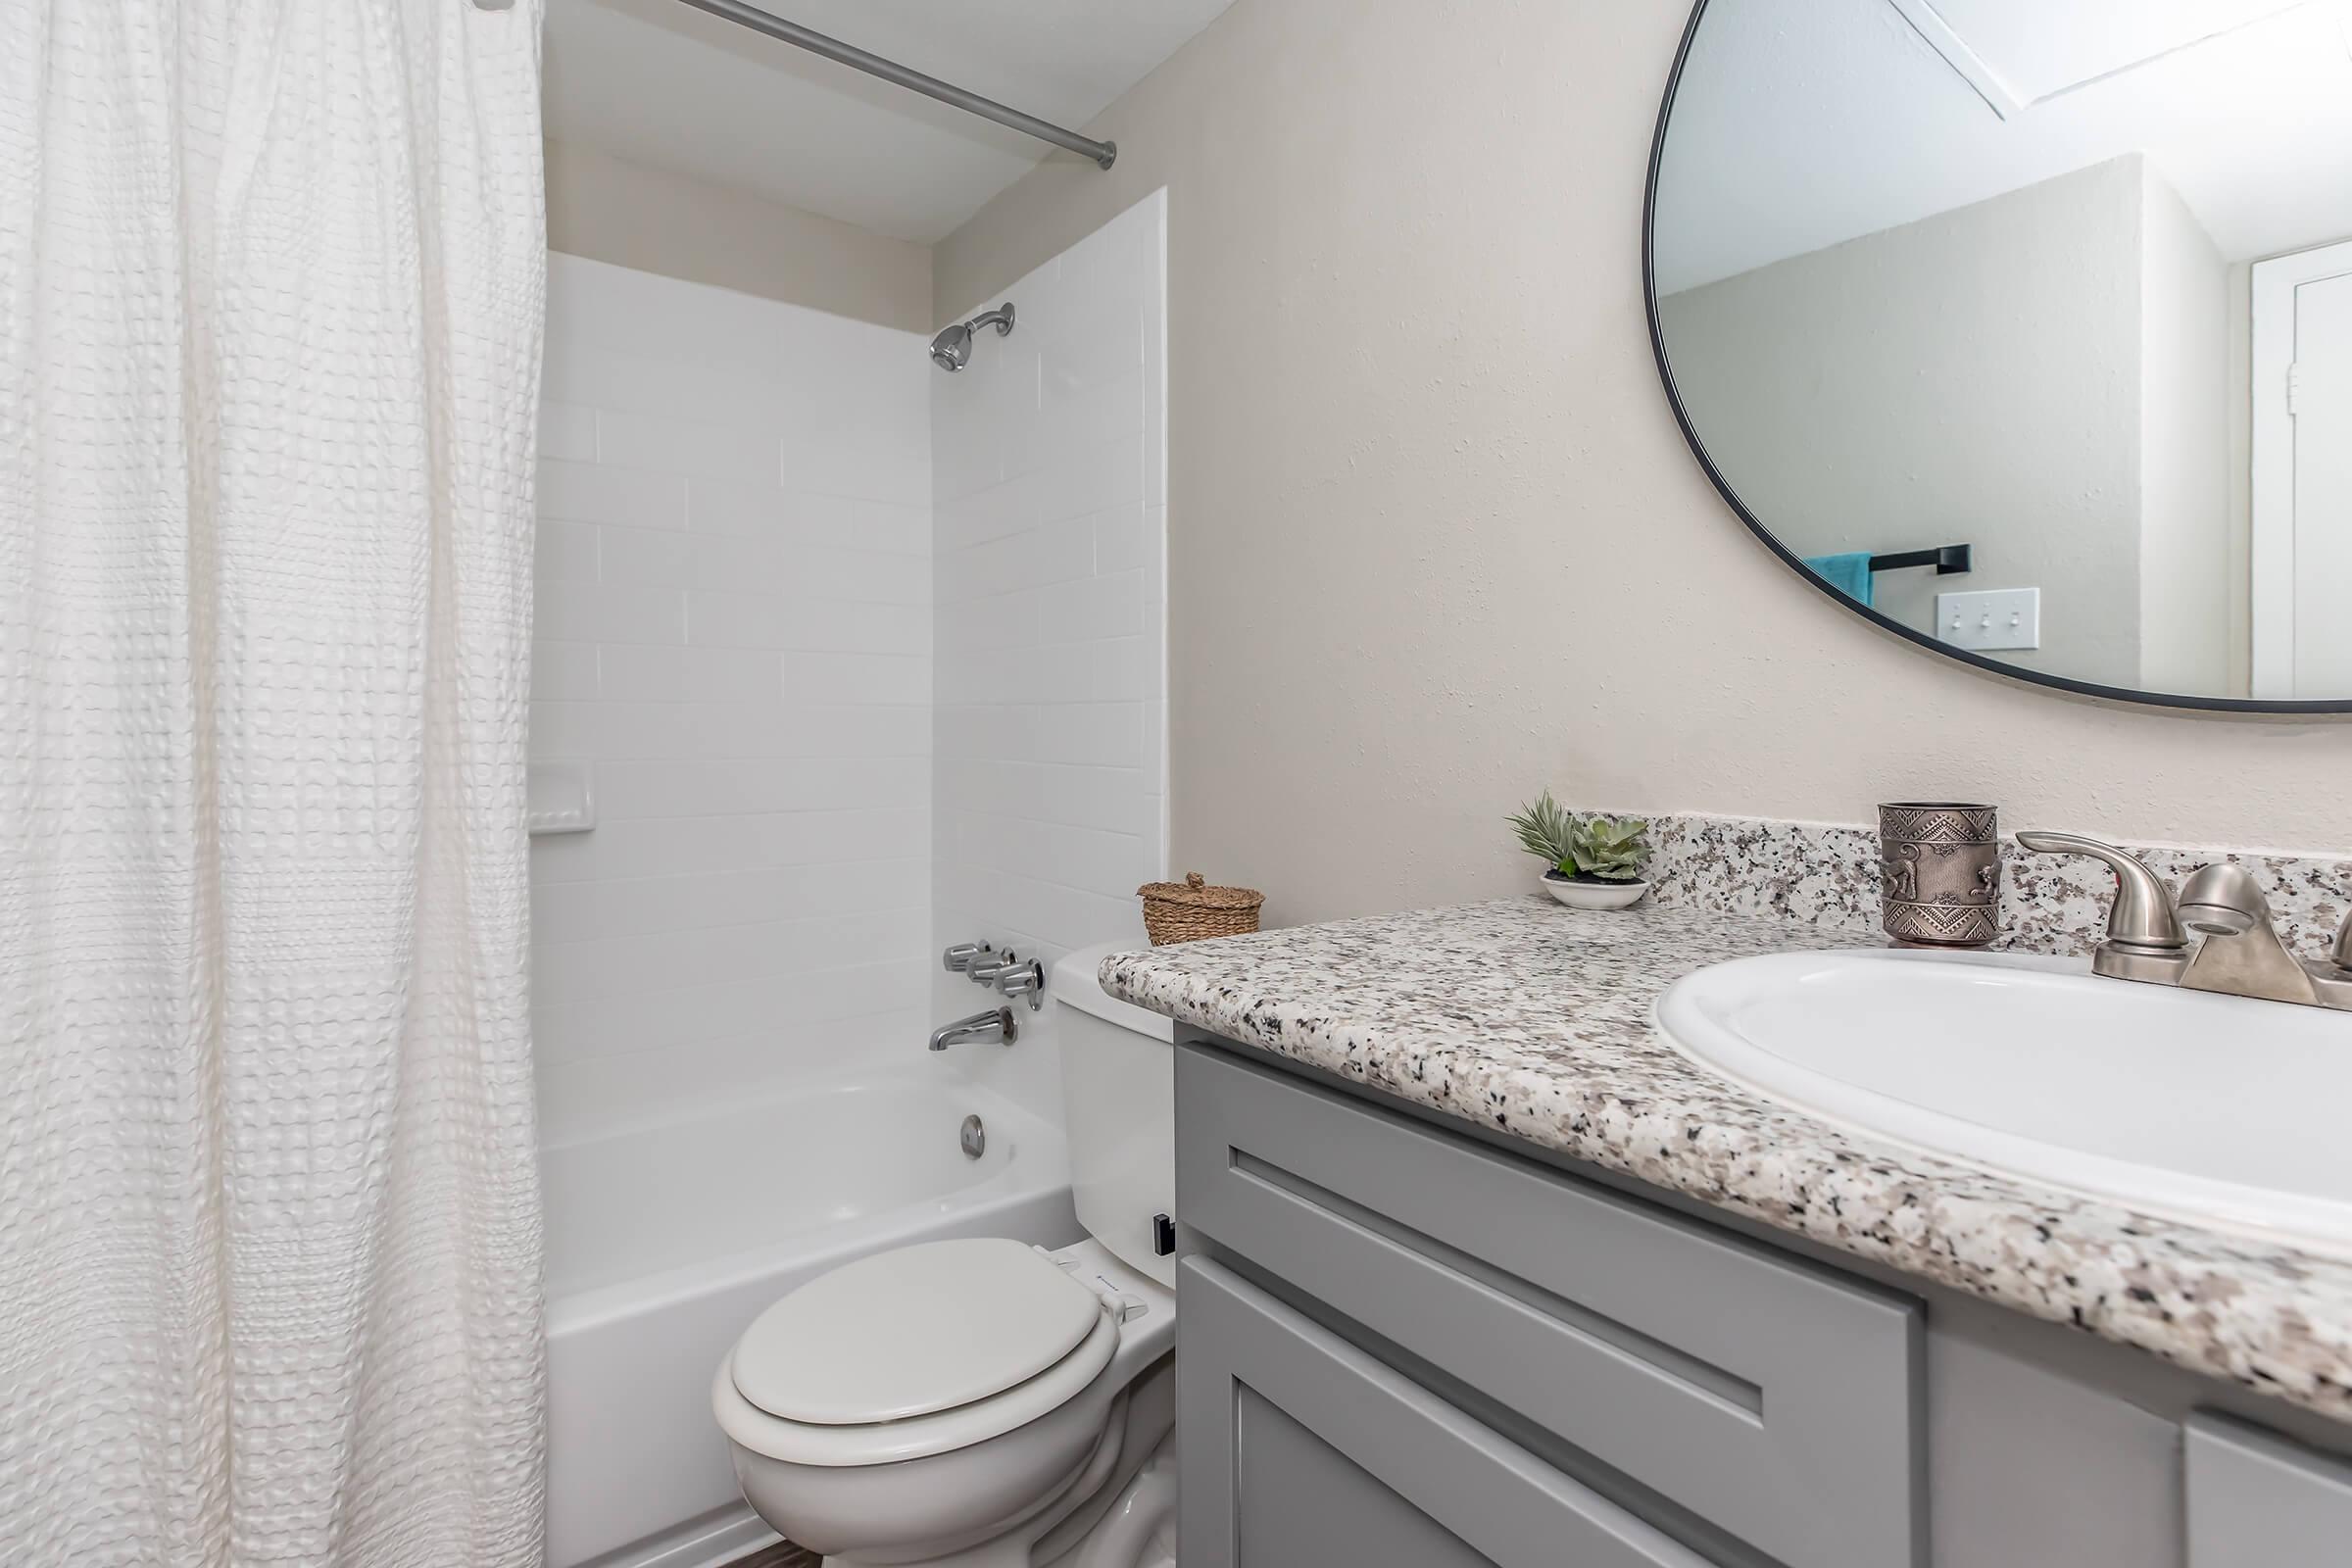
(562, 798)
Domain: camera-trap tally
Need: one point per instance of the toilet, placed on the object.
(980, 1402)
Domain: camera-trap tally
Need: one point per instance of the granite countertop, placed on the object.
(1534, 1020)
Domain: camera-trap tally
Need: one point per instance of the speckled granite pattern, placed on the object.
(1534, 1019)
(1826, 873)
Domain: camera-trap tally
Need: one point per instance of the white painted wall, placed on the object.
(1974, 377)
(2241, 476)
(1050, 496)
(734, 623)
(610, 210)
(2185, 559)
(1437, 540)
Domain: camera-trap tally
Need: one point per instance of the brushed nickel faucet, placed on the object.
(2241, 955)
(2145, 938)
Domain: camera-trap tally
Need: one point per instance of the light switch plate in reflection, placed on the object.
(1990, 620)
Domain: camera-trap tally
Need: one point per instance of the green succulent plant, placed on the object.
(1546, 830)
(1608, 848)
(1589, 849)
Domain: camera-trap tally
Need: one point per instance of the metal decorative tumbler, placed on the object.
(1940, 864)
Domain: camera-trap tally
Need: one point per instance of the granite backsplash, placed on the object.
(1827, 874)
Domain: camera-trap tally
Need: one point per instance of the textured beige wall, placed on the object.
(610, 210)
(1434, 539)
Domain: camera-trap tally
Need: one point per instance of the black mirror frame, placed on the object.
(1723, 486)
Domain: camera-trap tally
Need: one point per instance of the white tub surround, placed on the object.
(666, 1240)
(1050, 494)
(734, 632)
(1535, 1021)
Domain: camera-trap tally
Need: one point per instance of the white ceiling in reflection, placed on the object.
(2042, 49)
(1800, 124)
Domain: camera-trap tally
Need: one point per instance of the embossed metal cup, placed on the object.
(1940, 868)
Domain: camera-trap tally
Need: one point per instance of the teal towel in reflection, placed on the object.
(1849, 573)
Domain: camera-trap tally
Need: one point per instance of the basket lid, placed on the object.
(1194, 894)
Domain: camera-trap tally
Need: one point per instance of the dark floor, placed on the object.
(783, 1554)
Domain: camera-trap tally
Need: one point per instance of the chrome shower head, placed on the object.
(951, 349)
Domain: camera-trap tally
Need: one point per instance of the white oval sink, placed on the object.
(2216, 1110)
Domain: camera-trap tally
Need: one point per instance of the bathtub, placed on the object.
(664, 1242)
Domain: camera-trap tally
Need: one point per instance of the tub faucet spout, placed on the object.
(997, 1026)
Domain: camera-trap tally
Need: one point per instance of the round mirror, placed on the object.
(2024, 328)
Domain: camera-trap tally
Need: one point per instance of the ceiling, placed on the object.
(1801, 124)
(664, 85)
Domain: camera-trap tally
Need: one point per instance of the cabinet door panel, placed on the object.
(1774, 1399)
(1298, 1500)
(1298, 1448)
(2258, 1500)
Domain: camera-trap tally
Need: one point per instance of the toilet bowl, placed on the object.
(979, 1403)
(978, 1481)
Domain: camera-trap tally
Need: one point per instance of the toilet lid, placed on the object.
(912, 1331)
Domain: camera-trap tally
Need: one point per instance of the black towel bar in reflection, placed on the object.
(1945, 559)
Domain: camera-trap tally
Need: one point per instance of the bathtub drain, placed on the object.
(975, 1138)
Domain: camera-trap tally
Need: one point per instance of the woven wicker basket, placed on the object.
(1192, 910)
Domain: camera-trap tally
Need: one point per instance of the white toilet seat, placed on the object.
(842, 1447)
(913, 1331)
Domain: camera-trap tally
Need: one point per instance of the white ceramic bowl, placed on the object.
(1593, 895)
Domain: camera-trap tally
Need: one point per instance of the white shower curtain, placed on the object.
(271, 289)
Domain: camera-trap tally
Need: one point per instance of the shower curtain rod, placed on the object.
(856, 59)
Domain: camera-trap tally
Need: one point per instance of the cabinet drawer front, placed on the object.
(1774, 1399)
(1297, 1447)
(2260, 1501)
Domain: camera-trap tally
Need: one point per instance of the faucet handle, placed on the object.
(2142, 922)
(1027, 980)
(962, 956)
(2332, 976)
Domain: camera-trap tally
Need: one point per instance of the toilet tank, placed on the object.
(1118, 1082)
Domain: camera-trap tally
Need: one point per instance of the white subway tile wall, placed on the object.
(1050, 522)
(868, 659)
(735, 624)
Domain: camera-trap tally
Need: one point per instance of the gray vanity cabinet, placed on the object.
(1399, 1346)
(1388, 1328)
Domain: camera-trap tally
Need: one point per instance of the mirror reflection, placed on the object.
(2028, 323)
